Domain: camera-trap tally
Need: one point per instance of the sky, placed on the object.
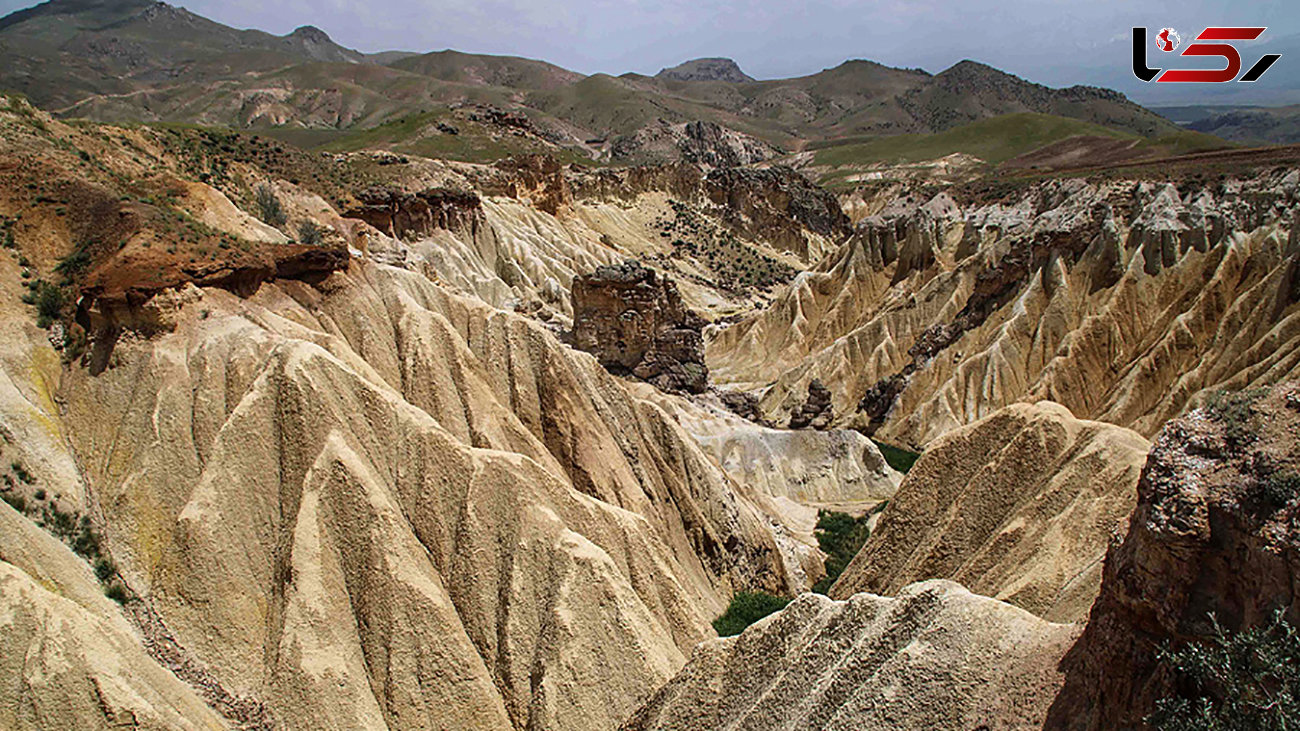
(1053, 42)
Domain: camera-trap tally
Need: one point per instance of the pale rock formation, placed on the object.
(1124, 302)
(837, 466)
(935, 656)
(68, 657)
(433, 512)
(1019, 506)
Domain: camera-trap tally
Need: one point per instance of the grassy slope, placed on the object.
(992, 140)
(412, 134)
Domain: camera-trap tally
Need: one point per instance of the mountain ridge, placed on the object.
(135, 60)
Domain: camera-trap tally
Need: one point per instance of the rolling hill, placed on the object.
(137, 60)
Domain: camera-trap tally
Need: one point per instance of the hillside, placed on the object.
(133, 60)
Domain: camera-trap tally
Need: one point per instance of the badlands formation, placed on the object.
(295, 440)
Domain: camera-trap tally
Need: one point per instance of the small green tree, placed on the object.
(1235, 681)
(49, 302)
(746, 608)
(268, 205)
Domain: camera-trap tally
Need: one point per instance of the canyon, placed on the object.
(368, 438)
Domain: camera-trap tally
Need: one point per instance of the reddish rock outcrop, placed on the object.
(1216, 530)
(633, 320)
(405, 215)
(538, 179)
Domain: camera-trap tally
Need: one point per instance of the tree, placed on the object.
(269, 206)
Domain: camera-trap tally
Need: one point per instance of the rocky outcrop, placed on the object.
(778, 204)
(816, 412)
(1123, 300)
(407, 215)
(708, 144)
(633, 320)
(705, 69)
(138, 287)
(1019, 506)
(1213, 532)
(538, 179)
(934, 657)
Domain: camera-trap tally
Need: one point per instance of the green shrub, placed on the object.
(310, 234)
(74, 263)
(269, 207)
(116, 592)
(22, 473)
(900, 459)
(1235, 411)
(104, 569)
(1235, 681)
(1280, 488)
(49, 301)
(840, 537)
(746, 608)
(17, 502)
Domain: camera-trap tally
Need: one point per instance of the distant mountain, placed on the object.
(706, 69)
(1278, 125)
(482, 70)
(62, 51)
(127, 60)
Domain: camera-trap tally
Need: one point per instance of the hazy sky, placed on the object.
(1056, 42)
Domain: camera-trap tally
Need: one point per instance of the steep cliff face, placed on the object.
(1123, 301)
(1019, 506)
(1213, 532)
(936, 656)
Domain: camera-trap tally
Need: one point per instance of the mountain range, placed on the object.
(138, 60)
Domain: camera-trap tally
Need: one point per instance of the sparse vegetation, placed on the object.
(1235, 681)
(840, 537)
(270, 210)
(1235, 411)
(49, 301)
(735, 264)
(1280, 489)
(116, 592)
(310, 234)
(75, 263)
(897, 457)
(746, 608)
(23, 475)
(17, 502)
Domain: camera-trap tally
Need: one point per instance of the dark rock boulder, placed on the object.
(633, 320)
(816, 411)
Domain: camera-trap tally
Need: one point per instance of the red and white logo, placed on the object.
(1167, 40)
